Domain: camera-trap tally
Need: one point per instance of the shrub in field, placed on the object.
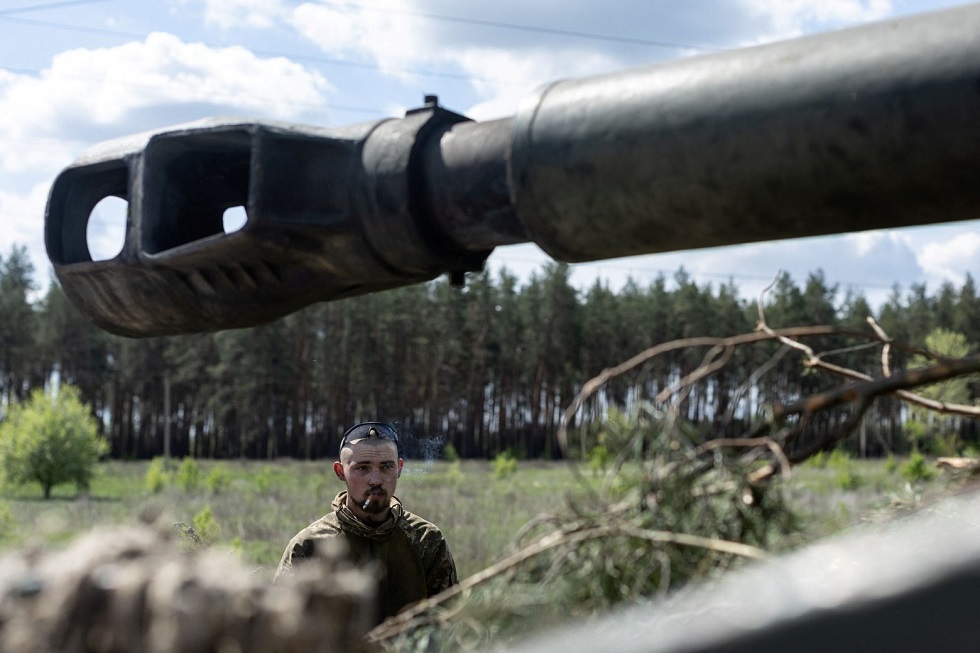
(218, 479)
(189, 475)
(157, 477)
(263, 480)
(847, 479)
(846, 476)
(891, 464)
(504, 465)
(454, 475)
(208, 529)
(51, 440)
(945, 444)
(818, 460)
(599, 458)
(915, 470)
(449, 453)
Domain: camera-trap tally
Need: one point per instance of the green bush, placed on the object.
(189, 475)
(891, 464)
(218, 479)
(454, 474)
(263, 480)
(839, 459)
(51, 440)
(157, 477)
(599, 458)
(818, 460)
(915, 470)
(845, 477)
(449, 453)
(208, 530)
(945, 444)
(504, 465)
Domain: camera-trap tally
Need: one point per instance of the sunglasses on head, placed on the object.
(368, 430)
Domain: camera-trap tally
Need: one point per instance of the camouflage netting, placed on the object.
(134, 590)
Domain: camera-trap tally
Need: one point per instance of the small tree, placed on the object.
(936, 430)
(51, 440)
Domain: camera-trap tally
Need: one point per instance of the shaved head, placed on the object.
(347, 453)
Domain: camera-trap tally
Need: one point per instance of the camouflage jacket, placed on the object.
(411, 554)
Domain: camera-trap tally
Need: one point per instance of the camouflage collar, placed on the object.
(350, 523)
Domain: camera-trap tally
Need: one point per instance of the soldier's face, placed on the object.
(370, 468)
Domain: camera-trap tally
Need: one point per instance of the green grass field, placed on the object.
(262, 505)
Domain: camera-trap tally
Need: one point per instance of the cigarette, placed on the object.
(367, 502)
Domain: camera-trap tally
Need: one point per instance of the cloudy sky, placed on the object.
(74, 73)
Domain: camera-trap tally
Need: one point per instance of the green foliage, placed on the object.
(891, 464)
(207, 528)
(502, 335)
(845, 474)
(189, 475)
(449, 453)
(916, 470)
(504, 465)
(50, 440)
(599, 459)
(264, 480)
(157, 475)
(818, 460)
(454, 475)
(945, 444)
(936, 432)
(218, 479)
(848, 479)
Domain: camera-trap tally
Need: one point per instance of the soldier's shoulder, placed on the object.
(324, 527)
(419, 526)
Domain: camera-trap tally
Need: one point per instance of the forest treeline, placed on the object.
(486, 368)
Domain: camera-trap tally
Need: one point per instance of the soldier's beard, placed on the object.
(376, 501)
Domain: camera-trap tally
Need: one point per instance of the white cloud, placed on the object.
(163, 70)
(790, 18)
(401, 35)
(228, 14)
(509, 49)
(89, 95)
(392, 39)
(949, 259)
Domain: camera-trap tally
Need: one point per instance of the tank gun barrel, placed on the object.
(867, 128)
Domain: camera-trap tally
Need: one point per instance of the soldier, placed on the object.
(411, 554)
